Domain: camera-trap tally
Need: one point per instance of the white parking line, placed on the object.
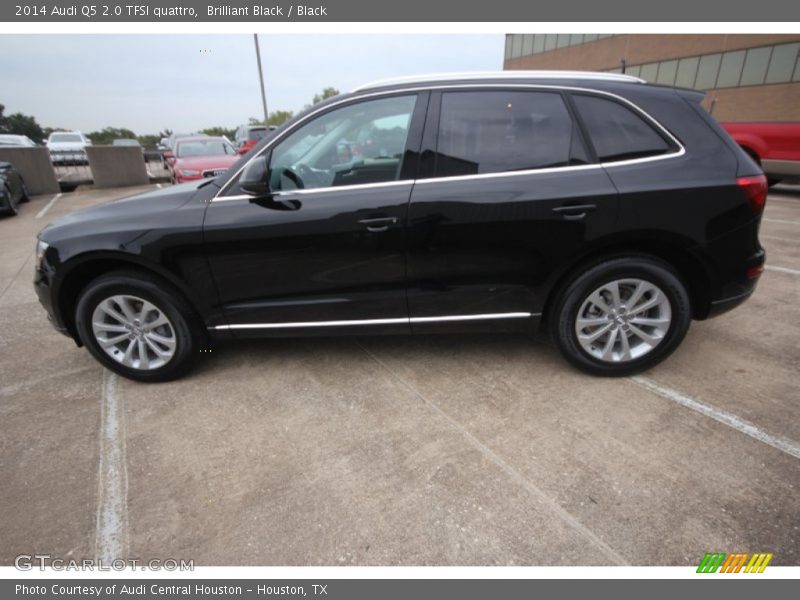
(726, 418)
(781, 221)
(158, 185)
(111, 535)
(781, 270)
(43, 212)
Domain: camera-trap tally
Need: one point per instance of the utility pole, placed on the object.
(261, 79)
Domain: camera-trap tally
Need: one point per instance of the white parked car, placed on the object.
(16, 141)
(68, 148)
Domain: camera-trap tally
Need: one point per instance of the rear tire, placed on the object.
(12, 210)
(138, 326)
(621, 316)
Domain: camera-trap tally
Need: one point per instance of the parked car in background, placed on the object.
(248, 136)
(200, 157)
(12, 189)
(68, 148)
(606, 211)
(775, 146)
(16, 141)
(169, 152)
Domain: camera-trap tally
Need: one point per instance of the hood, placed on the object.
(205, 162)
(139, 211)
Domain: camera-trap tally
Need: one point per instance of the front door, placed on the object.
(328, 254)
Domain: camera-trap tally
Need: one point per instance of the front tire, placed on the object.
(621, 316)
(138, 326)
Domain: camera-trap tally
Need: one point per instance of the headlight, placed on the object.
(41, 248)
(189, 172)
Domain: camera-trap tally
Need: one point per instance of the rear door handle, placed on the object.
(574, 212)
(378, 224)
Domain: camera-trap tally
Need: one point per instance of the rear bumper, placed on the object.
(739, 288)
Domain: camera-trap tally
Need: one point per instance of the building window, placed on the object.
(508, 47)
(666, 72)
(707, 71)
(550, 41)
(527, 45)
(687, 72)
(730, 71)
(782, 63)
(516, 46)
(563, 40)
(649, 72)
(575, 39)
(755, 66)
(538, 43)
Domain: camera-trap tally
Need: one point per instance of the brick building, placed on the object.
(747, 77)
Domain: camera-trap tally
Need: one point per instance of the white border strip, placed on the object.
(111, 534)
(781, 270)
(394, 321)
(50, 204)
(726, 418)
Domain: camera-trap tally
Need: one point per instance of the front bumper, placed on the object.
(42, 284)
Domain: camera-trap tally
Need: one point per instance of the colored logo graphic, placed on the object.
(734, 563)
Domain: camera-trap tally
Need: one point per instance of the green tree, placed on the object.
(276, 118)
(328, 92)
(109, 134)
(20, 124)
(220, 131)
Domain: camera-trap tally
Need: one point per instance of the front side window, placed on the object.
(357, 144)
(617, 132)
(499, 131)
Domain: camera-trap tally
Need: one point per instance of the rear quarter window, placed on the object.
(617, 132)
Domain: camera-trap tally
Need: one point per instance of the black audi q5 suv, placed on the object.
(604, 210)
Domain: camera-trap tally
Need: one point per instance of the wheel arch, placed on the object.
(81, 270)
(690, 268)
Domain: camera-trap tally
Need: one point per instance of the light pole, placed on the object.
(261, 79)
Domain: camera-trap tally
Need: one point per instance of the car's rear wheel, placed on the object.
(621, 316)
(138, 326)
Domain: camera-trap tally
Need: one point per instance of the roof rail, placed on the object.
(434, 77)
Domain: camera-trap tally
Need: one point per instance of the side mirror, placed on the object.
(255, 178)
(242, 149)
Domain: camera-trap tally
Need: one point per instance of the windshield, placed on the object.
(65, 137)
(209, 147)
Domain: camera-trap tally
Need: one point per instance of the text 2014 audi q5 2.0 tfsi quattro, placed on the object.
(606, 210)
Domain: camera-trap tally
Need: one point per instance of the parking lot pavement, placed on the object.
(430, 450)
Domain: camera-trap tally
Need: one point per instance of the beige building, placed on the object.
(748, 77)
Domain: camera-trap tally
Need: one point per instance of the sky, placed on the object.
(148, 83)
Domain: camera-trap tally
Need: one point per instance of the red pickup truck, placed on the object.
(775, 146)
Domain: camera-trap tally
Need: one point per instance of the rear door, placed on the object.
(508, 194)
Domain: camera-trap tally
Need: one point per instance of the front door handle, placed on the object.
(574, 212)
(378, 224)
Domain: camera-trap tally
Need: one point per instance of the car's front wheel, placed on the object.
(138, 326)
(621, 316)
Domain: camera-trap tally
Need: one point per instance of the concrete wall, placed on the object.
(117, 166)
(35, 168)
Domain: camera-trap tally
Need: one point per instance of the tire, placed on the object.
(172, 319)
(641, 339)
(12, 210)
(26, 197)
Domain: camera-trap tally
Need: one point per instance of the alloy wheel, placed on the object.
(134, 332)
(623, 320)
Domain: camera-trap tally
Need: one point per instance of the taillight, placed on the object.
(755, 189)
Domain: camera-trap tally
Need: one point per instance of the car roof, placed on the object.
(499, 76)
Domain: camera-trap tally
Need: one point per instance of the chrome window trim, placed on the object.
(393, 321)
(220, 197)
(495, 75)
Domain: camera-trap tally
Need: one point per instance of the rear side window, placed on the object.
(497, 131)
(617, 132)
